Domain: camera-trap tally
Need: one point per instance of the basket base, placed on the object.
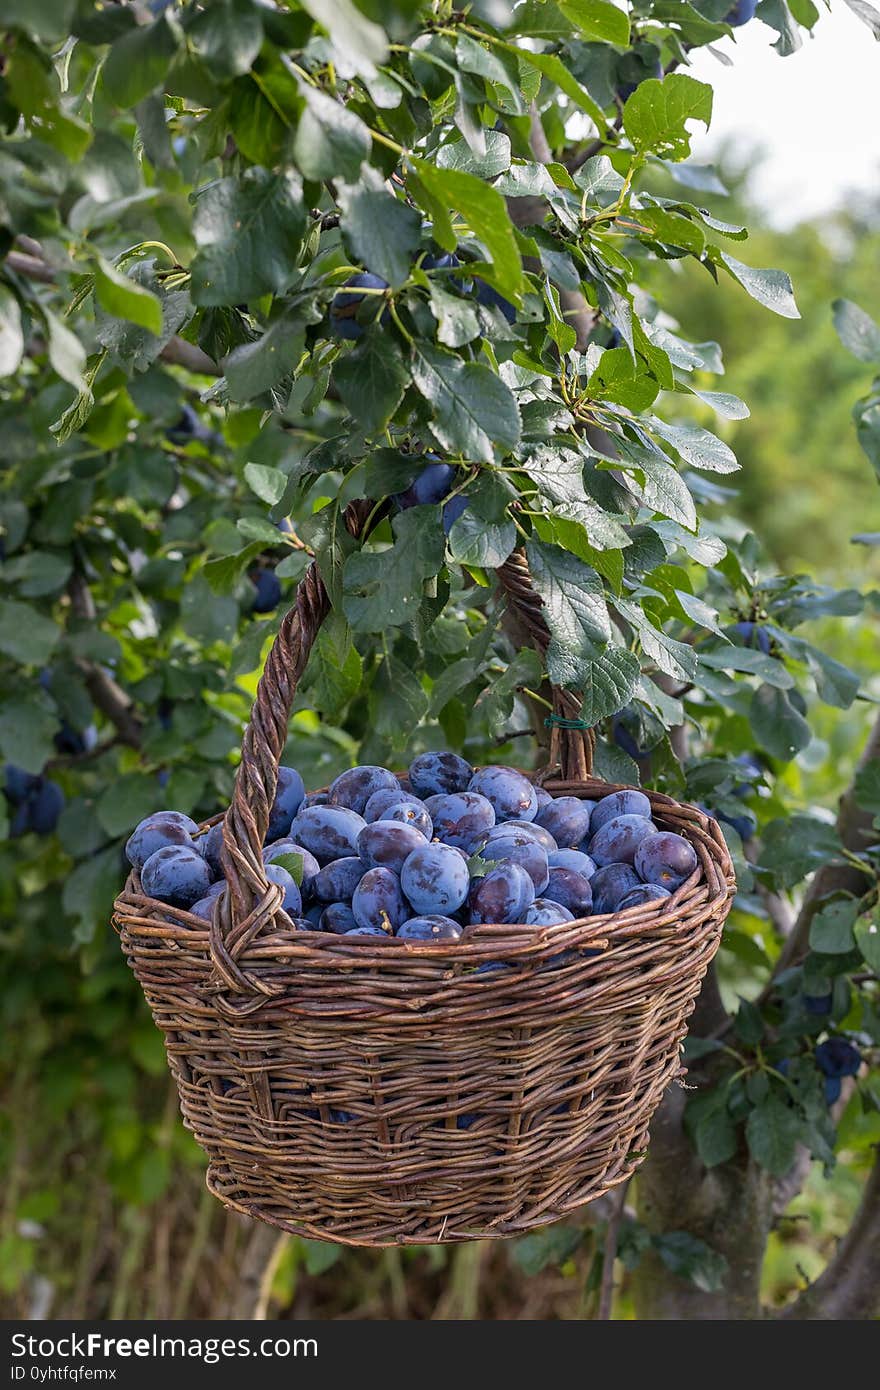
(222, 1185)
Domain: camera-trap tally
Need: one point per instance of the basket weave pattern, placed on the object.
(378, 1092)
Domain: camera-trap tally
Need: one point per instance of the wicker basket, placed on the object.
(380, 1092)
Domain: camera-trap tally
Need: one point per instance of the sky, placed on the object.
(816, 113)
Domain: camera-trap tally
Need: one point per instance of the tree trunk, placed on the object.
(730, 1208)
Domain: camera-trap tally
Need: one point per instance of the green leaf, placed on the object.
(486, 214)
(90, 889)
(255, 367)
(457, 321)
(335, 668)
(550, 1246)
(11, 335)
(472, 407)
(125, 298)
(138, 62)
(382, 231)
(26, 635)
(66, 352)
(371, 381)
(46, 19)
(479, 543)
(294, 864)
(772, 1132)
(794, 846)
(772, 288)
(831, 929)
(267, 483)
(598, 20)
(697, 447)
(126, 801)
(27, 725)
(856, 330)
(607, 683)
(552, 67)
(227, 35)
(715, 1136)
(867, 786)
(458, 155)
(249, 232)
(37, 572)
(691, 1258)
(780, 728)
(867, 936)
(357, 38)
(383, 587)
(655, 116)
(223, 574)
(331, 141)
(574, 609)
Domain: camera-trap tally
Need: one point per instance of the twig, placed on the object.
(109, 697)
(609, 1254)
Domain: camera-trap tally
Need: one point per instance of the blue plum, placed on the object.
(17, 783)
(337, 880)
(267, 590)
(525, 830)
(384, 798)
(292, 899)
(387, 844)
(623, 803)
(610, 884)
(176, 874)
(306, 923)
(644, 893)
(833, 1087)
(489, 296)
(460, 818)
(836, 1057)
(327, 832)
(410, 812)
(530, 855)
(204, 908)
(156, 832)
(436, 774)
(354, 787)
(544, 913)
(316, 799)
(45, 805)
(619, 838)
(431, 486)
(511, 794)
(75, 741)
(289, 793)
(504, 895)
(338, 918)
(572, 890)
(568, 820)
(378, 901)
(453, 509)
(345, 307)
(572, 859)
(209, 847)
(543, 798)
(666, 859)
(429, 927)
(741, 13)
(818, 1004)
(435, 878)
(310, 866)
(751, 635)
(366, 931)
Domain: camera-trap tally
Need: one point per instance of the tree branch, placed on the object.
(188, 355)
(106, 695)
(849, 1289)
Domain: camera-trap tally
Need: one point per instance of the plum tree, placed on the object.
(252, 283)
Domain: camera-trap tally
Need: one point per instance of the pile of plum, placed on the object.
(424, 855)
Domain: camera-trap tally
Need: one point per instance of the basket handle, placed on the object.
(571, 743)
(247, 819)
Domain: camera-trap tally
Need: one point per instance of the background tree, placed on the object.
(261, 261)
